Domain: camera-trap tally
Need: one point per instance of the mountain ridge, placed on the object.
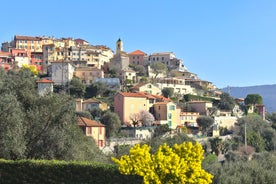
(267, 91)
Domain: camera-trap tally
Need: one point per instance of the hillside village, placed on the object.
(146, 90)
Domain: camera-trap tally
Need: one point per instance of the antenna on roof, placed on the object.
(228, 89)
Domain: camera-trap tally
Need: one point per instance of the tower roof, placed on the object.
(119, 40)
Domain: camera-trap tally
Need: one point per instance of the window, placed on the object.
(171, 107)
(170, 116)
(157, 58)
(149, 86)
(162, 58)
(170, 123)
(159, 107)
(89, 130)
(100, 143)
(101, 131)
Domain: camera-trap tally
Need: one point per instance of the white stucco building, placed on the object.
(61, 72)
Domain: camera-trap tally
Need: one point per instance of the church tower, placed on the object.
(119, 46)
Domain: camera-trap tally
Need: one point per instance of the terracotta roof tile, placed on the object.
(137, 52)
(89, 122)
(127, 94)
(44, 81)
(17, 37)
(5, 53)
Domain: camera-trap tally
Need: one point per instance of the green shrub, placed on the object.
(42, 171)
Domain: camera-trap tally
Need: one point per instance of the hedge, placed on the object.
(52, 171)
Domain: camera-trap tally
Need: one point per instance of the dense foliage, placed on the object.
(261, 169)
(177, 164)
(158, 68)
(259, 133)
(226, 102)
(39, 127)
(167, 92)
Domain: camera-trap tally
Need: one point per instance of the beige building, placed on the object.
(88, 74)
(127, 104)
(93, 129)
(86, 105)
(128, 74)
(189, 118)
(148, 88)
(167, 113)
(98, 56)
(178, 84)
(200, 106)
(226, 121)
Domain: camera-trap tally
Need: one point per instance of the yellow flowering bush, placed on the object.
(179, 164)
(32, 68)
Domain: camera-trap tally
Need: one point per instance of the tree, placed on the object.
(226, 102)
(167, 92)
(161, 130)
(96, 89)
(143, 118)
(146, 118)
(253, 99)
(140, 69)
(12, 131)
(39, 127)
(96, 112)
(32, 68)
(256, 140)
(112, 122)
(216, 145)
(259, 133)
(205, 122)
(143, 79)
(177, 164)
(76, 88)
(135, 119)
(158, 68)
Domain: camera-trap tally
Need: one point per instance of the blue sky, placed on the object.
(225, 42)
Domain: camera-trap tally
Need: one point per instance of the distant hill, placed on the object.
(268, 92)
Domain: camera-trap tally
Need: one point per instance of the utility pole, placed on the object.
(245, 141)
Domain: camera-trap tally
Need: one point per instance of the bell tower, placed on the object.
(119, 46)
